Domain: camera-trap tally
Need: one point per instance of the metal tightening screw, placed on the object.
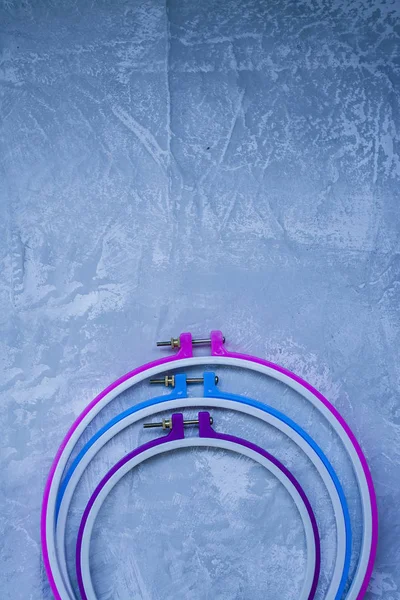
(169, 380)
(167, 423)
(175, 342)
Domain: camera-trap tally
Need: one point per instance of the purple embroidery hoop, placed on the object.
(164, 444)
(182, 359)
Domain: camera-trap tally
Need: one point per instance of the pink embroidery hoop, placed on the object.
(184, 358)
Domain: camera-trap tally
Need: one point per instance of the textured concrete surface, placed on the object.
(189, 166)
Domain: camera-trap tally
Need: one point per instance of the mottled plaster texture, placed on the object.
(186, 165)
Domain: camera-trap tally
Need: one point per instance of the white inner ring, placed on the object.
(178, 403)
(188, 443)
(226, 361)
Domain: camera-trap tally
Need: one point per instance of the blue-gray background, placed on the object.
(189, 166)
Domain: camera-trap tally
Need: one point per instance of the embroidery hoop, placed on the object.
(214, 398)
(219, 356)
(210, 438)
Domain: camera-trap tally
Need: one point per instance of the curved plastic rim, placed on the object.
(227, 442)
(227, 401)
(219, 356)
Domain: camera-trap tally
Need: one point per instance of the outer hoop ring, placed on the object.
(214, 398)
(208, 437)
(219, 356)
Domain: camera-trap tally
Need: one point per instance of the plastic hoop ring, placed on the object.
(184, 358)
(216, 399)
(208, 437)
